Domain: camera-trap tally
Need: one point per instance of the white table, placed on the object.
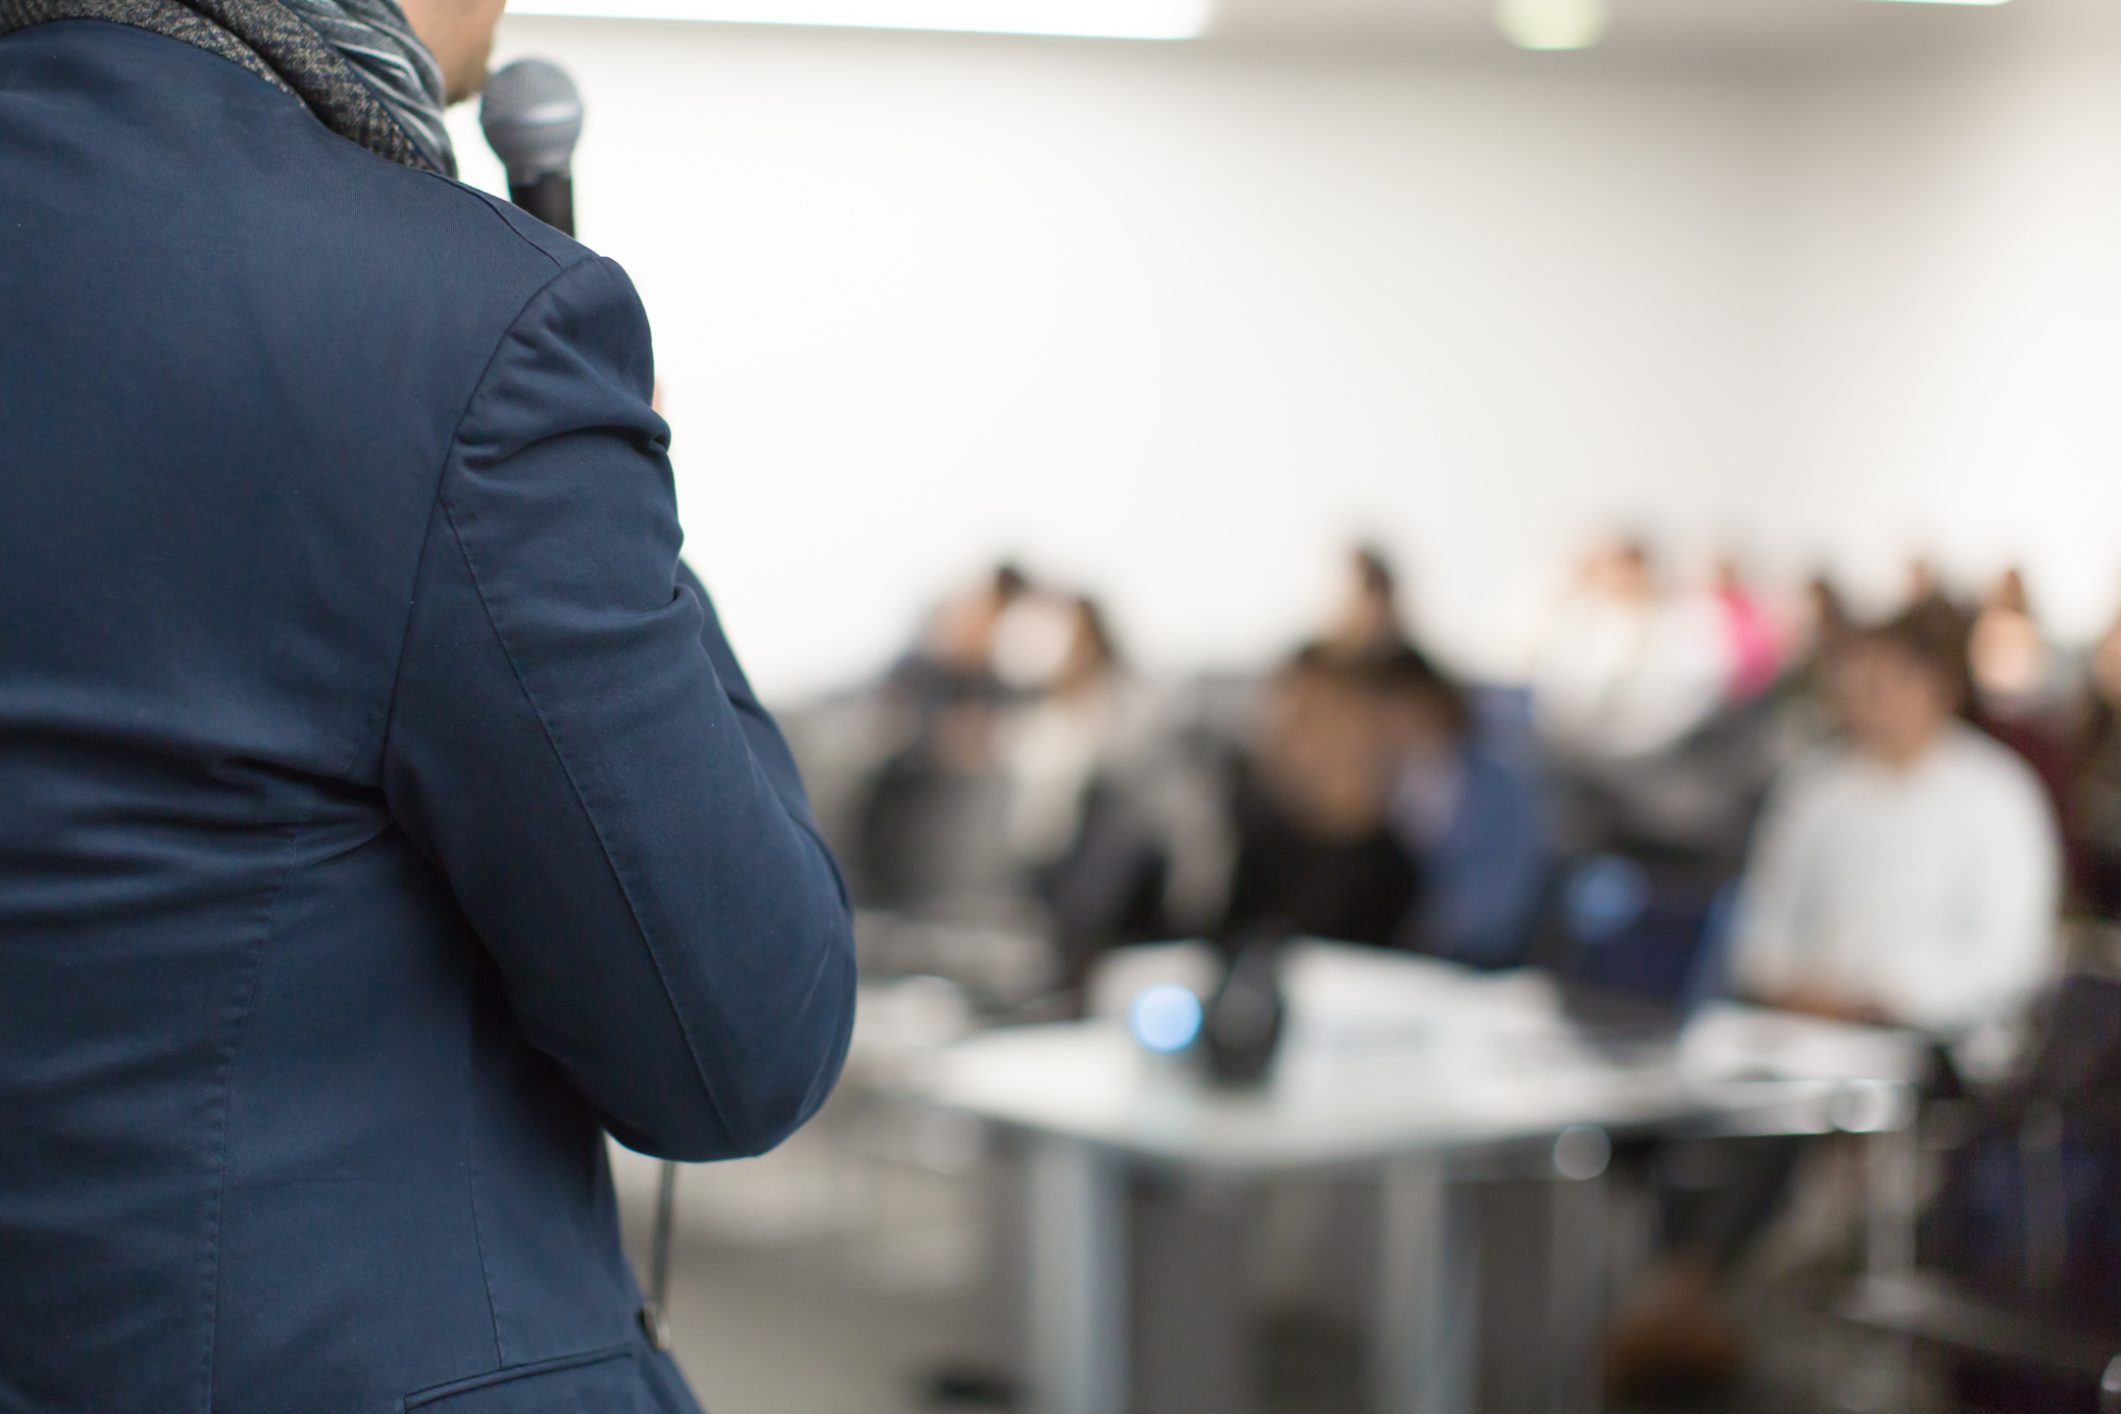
(1399, 1066)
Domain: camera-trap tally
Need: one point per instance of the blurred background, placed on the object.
(1606, 511)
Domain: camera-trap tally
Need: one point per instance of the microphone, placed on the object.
(532, 116)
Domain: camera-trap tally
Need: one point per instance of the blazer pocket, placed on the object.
(606, 1381)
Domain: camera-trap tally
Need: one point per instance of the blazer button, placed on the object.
(655, 1325)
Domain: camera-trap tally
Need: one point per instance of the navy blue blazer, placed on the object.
(1485, 871)
(382, 814)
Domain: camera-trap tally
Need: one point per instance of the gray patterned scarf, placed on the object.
(355, 63)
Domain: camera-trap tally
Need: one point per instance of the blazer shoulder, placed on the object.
(525, 232)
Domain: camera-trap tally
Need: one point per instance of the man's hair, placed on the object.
(1091, 615)
(1373, 569)
(1934, 642)
(1319, 662)
(1406, 674)
(1316, 657)
(1007, 581)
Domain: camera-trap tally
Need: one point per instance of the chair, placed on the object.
(1994, 1341)
(2014, 1284)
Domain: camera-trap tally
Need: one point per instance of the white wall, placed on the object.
(1180, 320)
(1951, 309)
(1177, 321)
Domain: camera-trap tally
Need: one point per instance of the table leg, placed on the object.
(1078, 1279)
(1425, 1348)
(1192, 1343)
(1578, 1238)
(1892, 1199)
(1892, 1173)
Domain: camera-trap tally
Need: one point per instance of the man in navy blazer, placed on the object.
(383, 817)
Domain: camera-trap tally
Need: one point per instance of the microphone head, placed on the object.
(532, 115)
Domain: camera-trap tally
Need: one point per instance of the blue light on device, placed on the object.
(1165, 1019)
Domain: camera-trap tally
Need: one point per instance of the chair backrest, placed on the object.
(2077, 1056)
(1655, 937)
(2030, 1204)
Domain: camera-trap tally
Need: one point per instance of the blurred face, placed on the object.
(2106, 666)
(1368, 615)
(1300, 719)
(963, 634)
(1621, 571)
(459, 33)
(1415, 724)
(1320, 752)
(1087, 658)
(1892, 703)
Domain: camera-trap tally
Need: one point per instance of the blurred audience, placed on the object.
(2094, 799)
(1627, 667)
(1751, 644)
(948, 686)
(1118, 829)
(1649, 743)
(2008, 656)
(1821, 623)
(953, 662)
(1658, 716)
(1472, 818)
(920, 836)
(2017, 687)
(1084, 717)
(1825, 619)
(1367, 623)
(1930, 603)
(1317, 854)
(1908, 874)
(1882, 786)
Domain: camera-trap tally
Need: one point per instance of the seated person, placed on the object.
(1932, 605)
(1907, 875)
(1085, 767)
(915, 834)
(1082, 720)
(1367, 623)
(1752, 643)
(2020, 692)
(1627, 668)
(2095, 785)
(1473, 820)
(1823, 622)
(1316, 853)
(951, 664)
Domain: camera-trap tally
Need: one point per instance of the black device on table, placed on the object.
(1243, 1022)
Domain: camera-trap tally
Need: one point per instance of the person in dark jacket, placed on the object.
(1470, 815)
(387, 818)
(1316, 854)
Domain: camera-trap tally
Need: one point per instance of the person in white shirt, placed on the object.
(1627, 667)
(1909, 874)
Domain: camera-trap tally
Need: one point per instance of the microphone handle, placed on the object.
(549, 197)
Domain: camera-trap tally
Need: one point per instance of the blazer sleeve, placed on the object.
(571, 740)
